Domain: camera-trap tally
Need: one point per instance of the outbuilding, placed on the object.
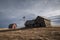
(12, 26)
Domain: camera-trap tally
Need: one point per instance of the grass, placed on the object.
(48, 33)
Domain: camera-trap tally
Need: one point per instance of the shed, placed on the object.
(12, 26)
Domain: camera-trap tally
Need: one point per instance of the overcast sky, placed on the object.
(12, 11)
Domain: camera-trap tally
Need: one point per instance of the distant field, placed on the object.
(48, 33)
(3, 28)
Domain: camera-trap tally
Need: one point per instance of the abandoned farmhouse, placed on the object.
(38, 22)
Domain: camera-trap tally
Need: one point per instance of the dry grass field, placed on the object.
(50, 33)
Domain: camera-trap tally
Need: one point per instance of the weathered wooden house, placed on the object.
(12, 26)
(38, 22)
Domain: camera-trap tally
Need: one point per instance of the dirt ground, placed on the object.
(50, 33)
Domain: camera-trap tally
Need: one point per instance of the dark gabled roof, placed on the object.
(43, 18)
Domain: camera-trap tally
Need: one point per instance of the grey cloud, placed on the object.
(55, 20)
(19, 19)
(13, 10)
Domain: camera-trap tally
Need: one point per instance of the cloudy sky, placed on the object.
(12, 11)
